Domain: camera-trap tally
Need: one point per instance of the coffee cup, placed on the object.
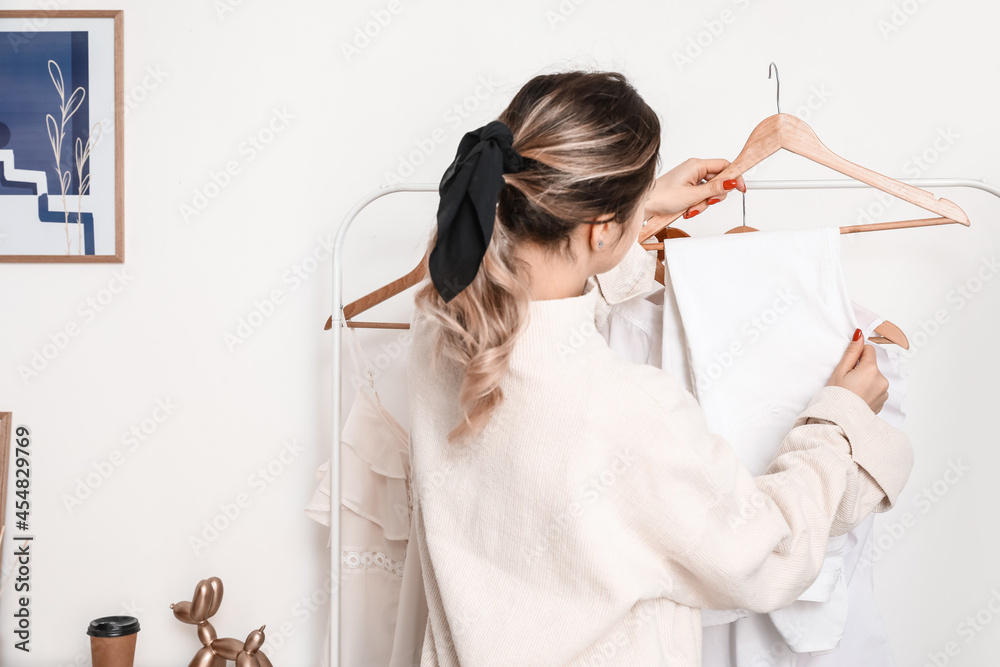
(112, 641)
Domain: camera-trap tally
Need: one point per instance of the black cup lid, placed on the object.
(113, 626)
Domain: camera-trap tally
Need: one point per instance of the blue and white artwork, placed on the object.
(57, 157)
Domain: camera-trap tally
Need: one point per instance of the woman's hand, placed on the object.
(683, 188)
(858, 372)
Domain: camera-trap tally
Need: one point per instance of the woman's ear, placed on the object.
(600, 236)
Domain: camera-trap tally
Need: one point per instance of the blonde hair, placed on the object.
(596, 144)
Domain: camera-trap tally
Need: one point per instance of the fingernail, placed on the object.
(713, 201)
(729, 184)
(857, 334)
(691, 213)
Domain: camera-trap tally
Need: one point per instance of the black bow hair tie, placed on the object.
(469, 191)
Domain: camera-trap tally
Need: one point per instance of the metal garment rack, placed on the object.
(339, 321)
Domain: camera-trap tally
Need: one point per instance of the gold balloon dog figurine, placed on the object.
(218, 652)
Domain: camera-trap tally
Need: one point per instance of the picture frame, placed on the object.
(61, 136)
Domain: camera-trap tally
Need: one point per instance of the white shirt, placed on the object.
(635, 329)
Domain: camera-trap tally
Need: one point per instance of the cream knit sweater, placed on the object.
(597, 514)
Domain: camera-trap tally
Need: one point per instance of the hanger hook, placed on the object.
(777, 81)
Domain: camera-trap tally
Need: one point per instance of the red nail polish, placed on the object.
(857, 334)
(729, 184)
(713, 201)
(691, 213)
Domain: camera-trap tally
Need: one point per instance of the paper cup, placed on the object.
(112, 641)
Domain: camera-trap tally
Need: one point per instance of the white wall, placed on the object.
(878, 98)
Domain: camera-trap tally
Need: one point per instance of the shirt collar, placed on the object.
(634, 275)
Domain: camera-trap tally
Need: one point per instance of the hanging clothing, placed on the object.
(383, 610)
(364, 643)
(591, 520)
(633, 329)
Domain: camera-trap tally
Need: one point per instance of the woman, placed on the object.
(571, 508)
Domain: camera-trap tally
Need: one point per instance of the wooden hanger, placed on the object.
(794, 135)
(383, 293)
(783, 130)
(786, 131)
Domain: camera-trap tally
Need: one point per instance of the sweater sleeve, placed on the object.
(722, 538)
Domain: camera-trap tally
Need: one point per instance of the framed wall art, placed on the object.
(61, 123)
